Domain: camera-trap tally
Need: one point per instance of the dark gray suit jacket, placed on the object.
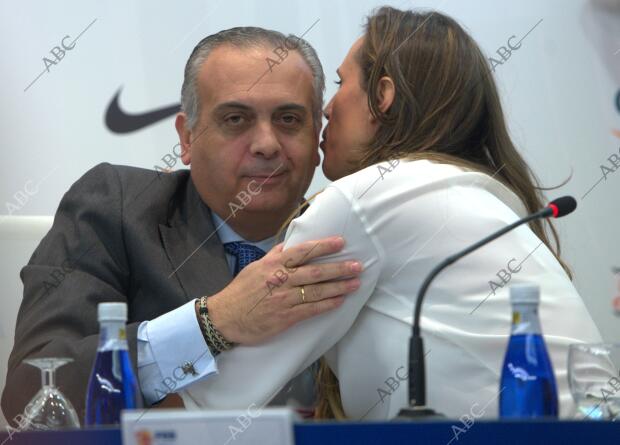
(118, 235)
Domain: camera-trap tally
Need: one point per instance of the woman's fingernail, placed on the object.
(354, 284)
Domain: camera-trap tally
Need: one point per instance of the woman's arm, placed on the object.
(249, 376)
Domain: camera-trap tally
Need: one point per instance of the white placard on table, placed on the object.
(268, 426)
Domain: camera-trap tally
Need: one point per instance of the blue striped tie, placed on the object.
(245, 254)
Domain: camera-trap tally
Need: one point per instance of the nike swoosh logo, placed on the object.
(118, 121)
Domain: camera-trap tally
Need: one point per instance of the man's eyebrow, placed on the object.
(338, 72)
(232, 104)
(292, 107)
(241, 106)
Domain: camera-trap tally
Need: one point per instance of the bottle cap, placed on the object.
(524, 294)
(112, 312)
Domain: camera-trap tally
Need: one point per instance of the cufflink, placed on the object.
(188, 368)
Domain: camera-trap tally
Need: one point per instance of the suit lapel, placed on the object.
(193, 246)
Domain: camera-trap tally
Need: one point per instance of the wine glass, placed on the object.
(49, 409)
(594, 380)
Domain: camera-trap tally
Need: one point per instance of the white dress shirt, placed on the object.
(160, 360)
(401, 220)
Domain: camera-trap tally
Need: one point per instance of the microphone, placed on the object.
(417, 387)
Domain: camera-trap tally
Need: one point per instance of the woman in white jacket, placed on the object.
(423, 166)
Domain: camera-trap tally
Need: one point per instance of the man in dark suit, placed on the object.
(160, 242)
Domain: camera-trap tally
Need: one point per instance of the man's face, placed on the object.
(255, 131)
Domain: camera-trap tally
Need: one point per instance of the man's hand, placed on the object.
(266, 298)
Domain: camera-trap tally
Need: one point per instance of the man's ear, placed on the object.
(385, 93)
(185, 137)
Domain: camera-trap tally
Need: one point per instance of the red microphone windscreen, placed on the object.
(562, 206)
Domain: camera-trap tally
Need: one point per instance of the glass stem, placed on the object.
(47, 377)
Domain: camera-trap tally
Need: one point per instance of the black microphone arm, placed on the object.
(417, 386)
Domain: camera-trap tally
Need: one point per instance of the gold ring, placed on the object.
(303, 295)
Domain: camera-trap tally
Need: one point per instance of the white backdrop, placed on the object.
(560, 90)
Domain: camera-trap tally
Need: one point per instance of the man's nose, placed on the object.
(265, 142)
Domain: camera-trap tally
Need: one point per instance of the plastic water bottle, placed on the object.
(527, 387)
(112, 386)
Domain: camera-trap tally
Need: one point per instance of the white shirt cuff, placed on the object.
(172, 353)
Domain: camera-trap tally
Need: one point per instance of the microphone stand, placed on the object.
(417, 409)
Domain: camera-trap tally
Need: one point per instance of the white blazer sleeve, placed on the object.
(252, 375)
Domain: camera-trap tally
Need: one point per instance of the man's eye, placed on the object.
(234, 119)
(338, 82)
(290, 119)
